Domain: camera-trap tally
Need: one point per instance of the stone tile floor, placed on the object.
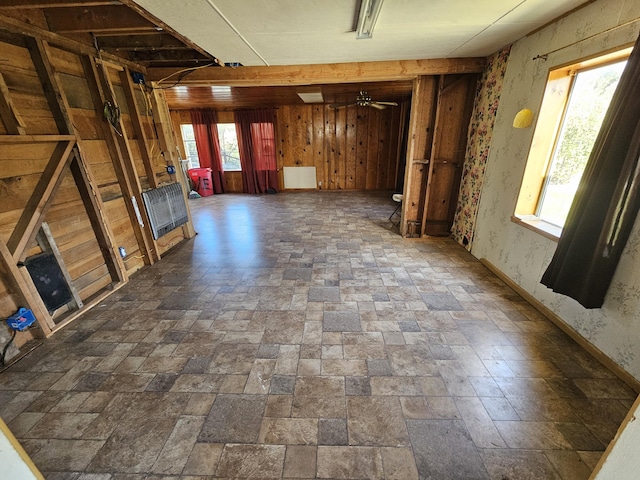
(298, 336)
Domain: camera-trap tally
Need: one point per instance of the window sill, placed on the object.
(534, 224)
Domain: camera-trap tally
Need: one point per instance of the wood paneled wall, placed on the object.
(62, 164)
(352, 148)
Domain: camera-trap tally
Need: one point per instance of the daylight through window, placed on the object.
(575, 102)
(190, 148)
(229, 147)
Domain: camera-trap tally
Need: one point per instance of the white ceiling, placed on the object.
(290, 32)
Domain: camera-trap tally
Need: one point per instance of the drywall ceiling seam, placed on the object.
(236, 31)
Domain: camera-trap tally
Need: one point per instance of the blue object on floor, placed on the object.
(21, 320)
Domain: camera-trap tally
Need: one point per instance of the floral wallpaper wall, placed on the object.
(520, 253)
(478, 143)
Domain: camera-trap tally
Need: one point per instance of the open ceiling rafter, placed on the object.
(118, 27)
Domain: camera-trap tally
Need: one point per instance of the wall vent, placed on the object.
(166, 208)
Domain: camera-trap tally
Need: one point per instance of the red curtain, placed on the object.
(205, 129)
(256, 142)
(607, 202)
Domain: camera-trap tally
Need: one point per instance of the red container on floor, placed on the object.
(201, 178)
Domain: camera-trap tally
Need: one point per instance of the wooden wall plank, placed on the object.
(319, 152)
(362, 127)
(339, 146)
(372, 149)
(330, 170)
(350, 149)
(384, 151)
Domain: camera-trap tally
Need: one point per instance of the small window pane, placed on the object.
(229, 147)
(590, 97)
(190, 148)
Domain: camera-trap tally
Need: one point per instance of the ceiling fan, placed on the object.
(364, 100)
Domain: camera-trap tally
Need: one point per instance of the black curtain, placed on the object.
(606, 204)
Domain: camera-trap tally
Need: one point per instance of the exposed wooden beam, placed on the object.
(321, 73)
(4, 139)
(50, 85)
(138, 127)
(17, 27)
(167, 139)
(12, 120)
(124, 168)
(95, 212)
(159, 56)
(143, 42)
(165, 27)
(96, 19)
(22, 4)
(40, 201)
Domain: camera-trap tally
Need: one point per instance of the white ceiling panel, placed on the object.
(289, 32)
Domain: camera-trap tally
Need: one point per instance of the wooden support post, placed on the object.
(23, 286)
(40, 201)
(124, 168)
(53, 92)
(93, 202)
(167, 139)
(138, 127)
(10, 117)
(432, 160)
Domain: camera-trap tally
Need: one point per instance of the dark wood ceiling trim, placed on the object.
(23, 4)
(112, 18)
(169, 56)
(322, 73)
(20, 28)
(143, 42)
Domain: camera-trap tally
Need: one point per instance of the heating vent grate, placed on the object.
(166, 208)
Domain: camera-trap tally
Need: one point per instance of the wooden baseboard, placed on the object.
(599, 355)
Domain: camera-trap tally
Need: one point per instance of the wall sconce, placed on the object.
(523, 118)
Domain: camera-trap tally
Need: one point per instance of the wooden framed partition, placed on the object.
(441, 110)
(71, 182)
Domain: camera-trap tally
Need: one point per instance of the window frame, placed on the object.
(546, 134)
(186, 149)
(235, 129)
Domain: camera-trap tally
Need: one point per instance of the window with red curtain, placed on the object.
(205, 130)
(256, 142)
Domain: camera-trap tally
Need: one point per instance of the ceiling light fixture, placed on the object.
(311, 97)
(369, 11)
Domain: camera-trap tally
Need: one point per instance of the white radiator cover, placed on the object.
(299, 177)
(166, 208)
